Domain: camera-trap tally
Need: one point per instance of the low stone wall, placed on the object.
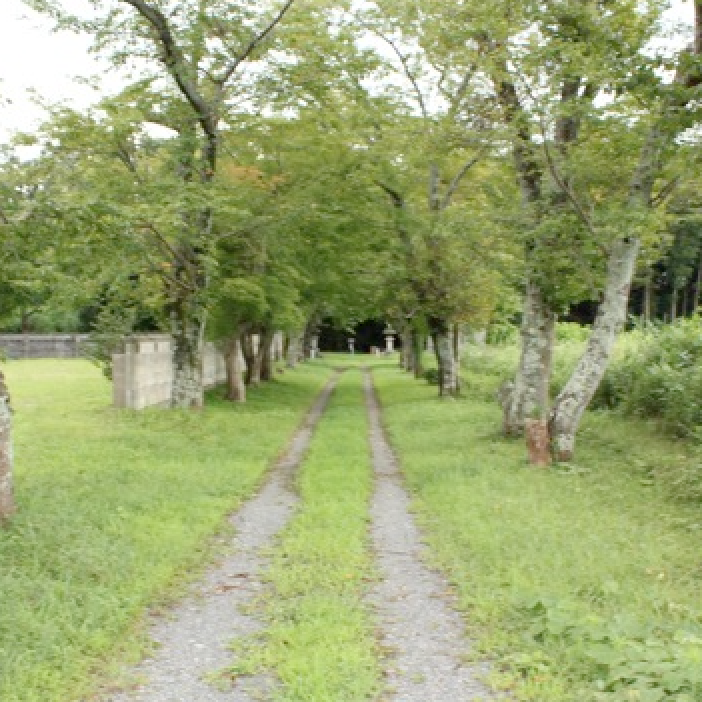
(43, 345)
(142, 375)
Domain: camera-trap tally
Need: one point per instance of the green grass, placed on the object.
(582, 582)
(319, 641)
(116, 509)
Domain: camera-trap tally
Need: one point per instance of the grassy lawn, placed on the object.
(117, 509)
(320, 641)
(581, 582)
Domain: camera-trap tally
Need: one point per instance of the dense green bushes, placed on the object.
(657, 373)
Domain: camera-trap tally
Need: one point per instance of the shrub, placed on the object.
(657, 373)
(431, 375)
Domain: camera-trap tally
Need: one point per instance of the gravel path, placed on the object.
(422, 632)
(194, 640)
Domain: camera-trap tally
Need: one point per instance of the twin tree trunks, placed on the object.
(7, 498)
(528, 395)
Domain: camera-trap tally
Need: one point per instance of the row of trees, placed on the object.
(415, 161)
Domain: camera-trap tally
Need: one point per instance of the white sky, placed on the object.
(33, 59)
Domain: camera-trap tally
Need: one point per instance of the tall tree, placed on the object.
(201, 47)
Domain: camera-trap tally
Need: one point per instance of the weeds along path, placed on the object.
(420, 630)
(194, 638)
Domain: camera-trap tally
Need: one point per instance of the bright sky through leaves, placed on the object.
(36, 63)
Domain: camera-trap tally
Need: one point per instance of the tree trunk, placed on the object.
(7, 498)
(406, 350)
(537, 440)
(252, 375)
(457, 344)
(685, 300)
(443, 348)
(529, 394)
(265, 354)
(236, 388)
(292, 351)
(571, 403)
(188, 326)
(417, 344)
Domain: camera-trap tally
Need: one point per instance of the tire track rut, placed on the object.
(420, 629)
(193, 641)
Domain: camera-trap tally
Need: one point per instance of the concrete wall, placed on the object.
(142, 376)
(43, 345)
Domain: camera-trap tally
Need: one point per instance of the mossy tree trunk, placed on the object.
(529, 395)
(442, 337)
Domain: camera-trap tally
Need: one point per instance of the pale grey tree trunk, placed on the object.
(188, 325)
(7, 497)
(529, 395)
(442, 337)
(573, 400)
(236, 388)
(293, 350)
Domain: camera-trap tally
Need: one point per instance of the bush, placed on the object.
(431, 375)
(657, 373)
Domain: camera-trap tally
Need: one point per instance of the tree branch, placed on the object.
(457, 180)
(405, 67)
(177, 64)
(666, 190)
(248, 50)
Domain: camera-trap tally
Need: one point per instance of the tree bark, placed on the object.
(572, 401)
(7, 497)
(292, 353)
(537, 440)
(417, 342)
(406, 350)
(265, 353)
(529, 394)
(188, 321)
(457, 344)
(253, 372)
(236, 388)
(443, 348)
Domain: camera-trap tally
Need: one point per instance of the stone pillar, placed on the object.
(314, 346)
(389, 334)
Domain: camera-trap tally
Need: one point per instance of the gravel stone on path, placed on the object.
(193, 641)
(420, 629)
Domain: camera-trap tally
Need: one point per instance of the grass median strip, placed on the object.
(582, 582)
(116, 509)
(319, 640)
